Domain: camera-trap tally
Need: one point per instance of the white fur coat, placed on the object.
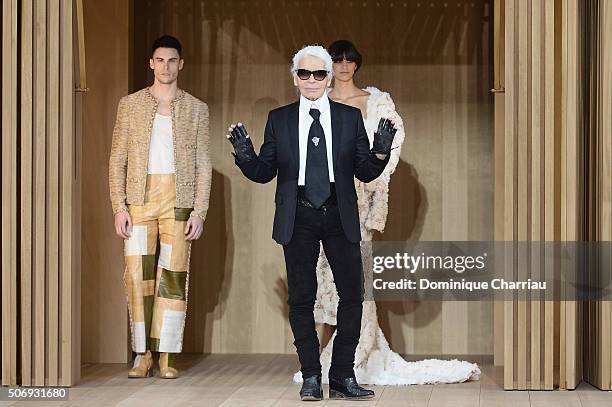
(373, 200)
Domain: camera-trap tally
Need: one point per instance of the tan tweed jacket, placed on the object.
(127, 170)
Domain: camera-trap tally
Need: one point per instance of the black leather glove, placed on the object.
(383, 138)
(243, 148)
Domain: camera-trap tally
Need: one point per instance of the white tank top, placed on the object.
(161, 149)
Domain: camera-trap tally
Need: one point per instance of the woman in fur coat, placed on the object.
(375, 362)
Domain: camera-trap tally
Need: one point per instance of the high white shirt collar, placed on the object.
(321, 103)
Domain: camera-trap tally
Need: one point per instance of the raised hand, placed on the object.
(383, 137)
(243, 147)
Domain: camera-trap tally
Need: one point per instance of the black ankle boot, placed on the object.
(311, 389)
(348, 388)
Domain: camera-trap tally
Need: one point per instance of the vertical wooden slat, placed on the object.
(549, 180)
(500, 156)
(562, 342)
(600, 207)
(604, 347)
(570, 181)
(52, 181)
(80, 27)
(9, 192)
(39, 260)
(535, 176)
(598, 154)
(69, 232)
(564, 169)
(500, 204)
(604, 173)
(569, 199)
(606, 134)
(603, 16)
(26, 192)
(509, 197)
(498, 45)
(595, 363)
(523, 101)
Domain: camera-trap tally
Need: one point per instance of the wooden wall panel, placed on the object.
(46, 306)
(539, 163)
(10, 173)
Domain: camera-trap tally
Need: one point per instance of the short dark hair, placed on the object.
(344, 49)
(167, 41)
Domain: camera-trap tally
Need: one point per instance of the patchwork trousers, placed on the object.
(157, 275)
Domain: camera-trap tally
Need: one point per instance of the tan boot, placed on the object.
(142, 366)
(166, 366)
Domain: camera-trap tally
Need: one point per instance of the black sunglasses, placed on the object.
(304, 74)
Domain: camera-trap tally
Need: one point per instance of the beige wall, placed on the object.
(435, 62)
(104, 312)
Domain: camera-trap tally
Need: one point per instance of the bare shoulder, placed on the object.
(364, 93)
(361, 101)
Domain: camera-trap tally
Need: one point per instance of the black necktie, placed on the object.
(317, 173)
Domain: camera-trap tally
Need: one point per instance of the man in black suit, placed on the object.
(316, 147)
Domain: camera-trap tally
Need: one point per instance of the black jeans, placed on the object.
(313, 226)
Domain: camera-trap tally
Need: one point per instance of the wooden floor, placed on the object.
(265, 380)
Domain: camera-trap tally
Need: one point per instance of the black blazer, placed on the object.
(279, 155)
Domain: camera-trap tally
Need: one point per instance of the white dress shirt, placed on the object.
(161, 148)
(322, 104)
